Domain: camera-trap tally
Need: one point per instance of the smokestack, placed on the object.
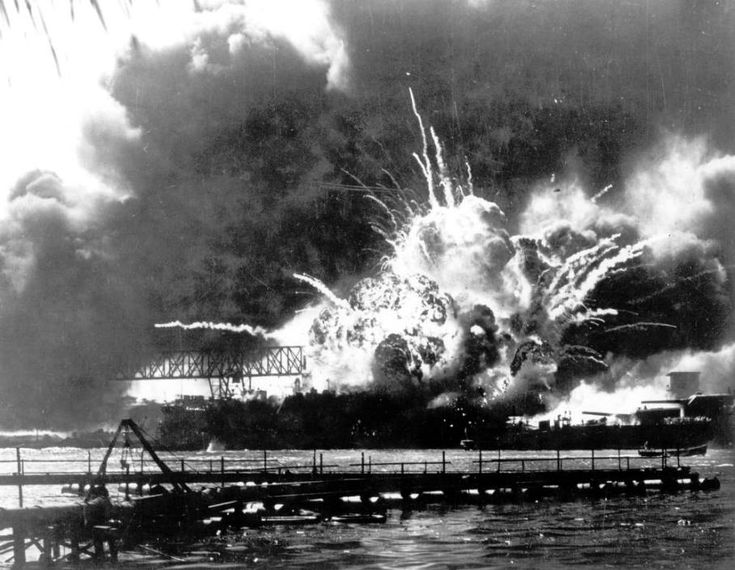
(683, 384)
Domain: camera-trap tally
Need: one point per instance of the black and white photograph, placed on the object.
(367, 284)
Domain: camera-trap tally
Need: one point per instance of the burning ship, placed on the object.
(377, 419)
(688, 420)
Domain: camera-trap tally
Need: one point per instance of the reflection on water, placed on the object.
(686, 530)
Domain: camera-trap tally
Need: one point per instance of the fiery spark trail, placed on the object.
(639, 325)
(601, 193)
(678, 283)
(582, 272)
(324, 290)
(425, 165)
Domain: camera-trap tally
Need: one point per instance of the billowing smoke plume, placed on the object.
(190, 165)
(68, 313)
(185, 186)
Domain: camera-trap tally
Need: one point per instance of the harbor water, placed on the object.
(682, 530)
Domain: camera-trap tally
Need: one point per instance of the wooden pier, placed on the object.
(153, 503)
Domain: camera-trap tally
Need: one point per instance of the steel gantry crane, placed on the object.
(222, 369)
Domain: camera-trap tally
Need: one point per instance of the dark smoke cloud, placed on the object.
(69, 317)
(215, 210)
(521, 87)
(211, 143)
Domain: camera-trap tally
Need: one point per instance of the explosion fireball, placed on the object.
(573, 300)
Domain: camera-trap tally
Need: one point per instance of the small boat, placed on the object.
(681, 452)
(215, 446)
(290, 519)
(359, 518)
(468, 444)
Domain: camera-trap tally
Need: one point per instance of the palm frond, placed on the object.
(4, 12)
(31, 13)
(50, 43)
(20, 14)
(96, 6)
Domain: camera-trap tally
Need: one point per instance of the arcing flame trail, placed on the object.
(213, 326)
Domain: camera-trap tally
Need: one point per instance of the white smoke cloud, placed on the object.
(467, 250)
(60, 119)
(591, 397)
(666, 193)
(717, 368)
(647, 380)
(45, 110)
(680, 197)
(562, 203)
(683, 189)
(222, 30)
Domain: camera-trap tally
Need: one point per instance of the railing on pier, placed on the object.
(39, 471)
(522, 462)
(270, 462)
(368, 467)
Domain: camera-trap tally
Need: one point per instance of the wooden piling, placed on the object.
(127, 481)
(46, 542)
(19, 546)
(20, 477)
(74, 544)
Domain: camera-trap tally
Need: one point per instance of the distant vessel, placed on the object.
(597, 434)
(326, 420)
(468, 444)
(646, 451)
(184, 424)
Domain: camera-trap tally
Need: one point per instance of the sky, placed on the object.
(162, 159)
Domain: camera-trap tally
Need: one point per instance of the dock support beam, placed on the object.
(19, 546)
(20, 477)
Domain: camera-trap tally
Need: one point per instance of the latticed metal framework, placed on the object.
(221, 368)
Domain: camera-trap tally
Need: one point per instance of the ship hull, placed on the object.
(679, 452)
(603, 437)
